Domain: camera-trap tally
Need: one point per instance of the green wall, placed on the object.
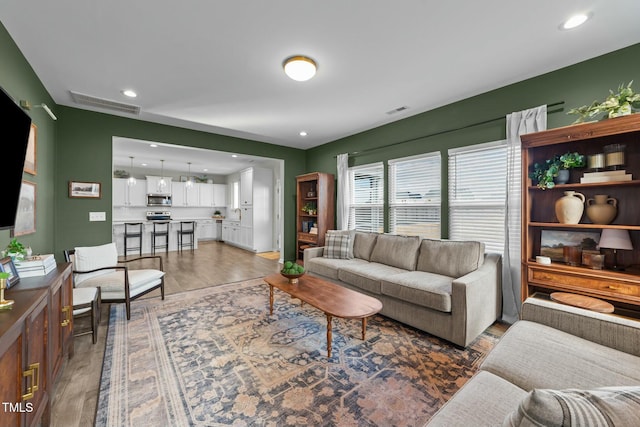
(576, 85)
(85, 152)
(18, 80)
(78, 146)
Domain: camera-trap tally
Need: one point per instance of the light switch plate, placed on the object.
(97, 216)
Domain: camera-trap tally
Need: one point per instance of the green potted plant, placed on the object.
(618, 104)
(556, 170)
(16, 250)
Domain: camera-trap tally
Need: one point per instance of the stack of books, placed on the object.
(605, 176)
(40, 265)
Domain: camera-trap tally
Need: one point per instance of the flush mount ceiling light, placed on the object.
(575, 21)
(129, 93)
(300, 68)
(303, 133)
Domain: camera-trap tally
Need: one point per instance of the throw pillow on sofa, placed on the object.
(606, 406)
(336, 246)
(350, 233)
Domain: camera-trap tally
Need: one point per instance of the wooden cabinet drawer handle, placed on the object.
(34, 373)
(66, 311)
(613, 287)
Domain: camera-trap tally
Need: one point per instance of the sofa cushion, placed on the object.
(396, 251)
(532, 355)
(350, 233)
(485, 400)
(328, 267)
(608, 406)
(363, 245)
(449, 257)
(367, 276)
(336, 246)
(91, 257)
(421, 288)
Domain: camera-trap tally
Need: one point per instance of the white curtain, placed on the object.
(344, 192)
(518, 123)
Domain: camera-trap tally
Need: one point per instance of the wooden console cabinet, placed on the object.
(621, 288)
(34, 337)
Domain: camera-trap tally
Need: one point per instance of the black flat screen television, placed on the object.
(16, 125)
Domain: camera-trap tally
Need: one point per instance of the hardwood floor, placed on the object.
(213, 263)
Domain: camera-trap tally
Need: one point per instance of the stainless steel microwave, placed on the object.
(163, 200)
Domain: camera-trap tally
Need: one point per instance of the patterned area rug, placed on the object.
(214, 357)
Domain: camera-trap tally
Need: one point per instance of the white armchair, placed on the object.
(98, 266)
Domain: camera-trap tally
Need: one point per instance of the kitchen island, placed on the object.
(205, 229)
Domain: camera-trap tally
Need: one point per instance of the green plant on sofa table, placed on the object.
(16, 250)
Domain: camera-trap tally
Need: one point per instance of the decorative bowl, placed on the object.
(293, 278)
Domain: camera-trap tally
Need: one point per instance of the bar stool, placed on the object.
(132, 230)
(160, 230)
(187, 228)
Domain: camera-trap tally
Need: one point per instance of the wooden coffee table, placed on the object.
(334, 300)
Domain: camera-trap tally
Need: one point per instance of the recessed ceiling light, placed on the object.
(153, 145)
(129, 93)
(303, 133)
(143, 164)
(300, 68)
(575, 21)
(205, 170)
(234, 155)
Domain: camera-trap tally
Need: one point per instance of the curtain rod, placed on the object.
(555, 104)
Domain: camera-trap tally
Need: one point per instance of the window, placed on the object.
(236, 195)
(366, 212)
(477, 194)
(414, 196)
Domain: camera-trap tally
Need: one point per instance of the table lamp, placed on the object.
(615, 239)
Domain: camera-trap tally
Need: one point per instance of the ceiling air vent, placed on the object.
(93, 101)
(397, 110)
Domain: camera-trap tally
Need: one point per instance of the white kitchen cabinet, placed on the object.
(182, 195)
(219, 195)
(231, 232)
(256, 210)
(205, 195)
(246, 187)
(125, 195)
(153, 185)
(246, 237)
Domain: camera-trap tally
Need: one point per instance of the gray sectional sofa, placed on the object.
(557, 366)
(450, 289)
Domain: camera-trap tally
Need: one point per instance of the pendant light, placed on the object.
(131, 182)
(189, 183)
(162, 184)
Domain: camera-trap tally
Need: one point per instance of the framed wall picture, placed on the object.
(7, 266)
(85, 190)
(30, 159)
(552, 242)
(26, 216)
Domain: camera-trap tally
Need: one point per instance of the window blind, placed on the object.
(414, 195)
(477, 194)
(366, 212)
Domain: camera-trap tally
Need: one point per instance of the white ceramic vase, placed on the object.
(570, 207)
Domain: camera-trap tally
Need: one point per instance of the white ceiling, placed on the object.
(146, 159)
(217, 66)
